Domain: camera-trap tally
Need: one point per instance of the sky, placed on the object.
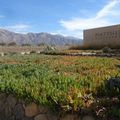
(66, 17)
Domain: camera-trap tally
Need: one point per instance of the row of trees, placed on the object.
(15, 44)
(8, 44)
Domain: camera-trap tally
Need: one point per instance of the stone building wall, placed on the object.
(15, 109)
(102, 37)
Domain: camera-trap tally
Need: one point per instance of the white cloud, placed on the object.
(59, 32)
(108, 9)
(22, 28)
(109, 14)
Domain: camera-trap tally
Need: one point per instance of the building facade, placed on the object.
(102, 37)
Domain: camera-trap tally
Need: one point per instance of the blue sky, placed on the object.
(66, 17)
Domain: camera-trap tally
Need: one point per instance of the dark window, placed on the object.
(96, 34)
(119, 33)
(113, 33)
(104, 33)
(107, 33)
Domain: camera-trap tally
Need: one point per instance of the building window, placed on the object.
(119, 33)
(104, 33)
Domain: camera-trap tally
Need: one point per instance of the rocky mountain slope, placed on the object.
(36, 38)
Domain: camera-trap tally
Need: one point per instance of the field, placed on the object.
(19, 49)
(65, 83)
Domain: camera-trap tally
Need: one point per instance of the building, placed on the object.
(102, 37)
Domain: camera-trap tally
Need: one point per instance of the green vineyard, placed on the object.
(63, 82)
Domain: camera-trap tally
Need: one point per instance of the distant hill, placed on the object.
(36, 38)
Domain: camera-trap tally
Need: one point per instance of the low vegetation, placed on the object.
(65, 83)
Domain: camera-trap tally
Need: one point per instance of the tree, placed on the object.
(2, 44)
(26, 44)
(41, 44)
(12, 44)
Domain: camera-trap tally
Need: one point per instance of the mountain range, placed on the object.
(37, 38)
